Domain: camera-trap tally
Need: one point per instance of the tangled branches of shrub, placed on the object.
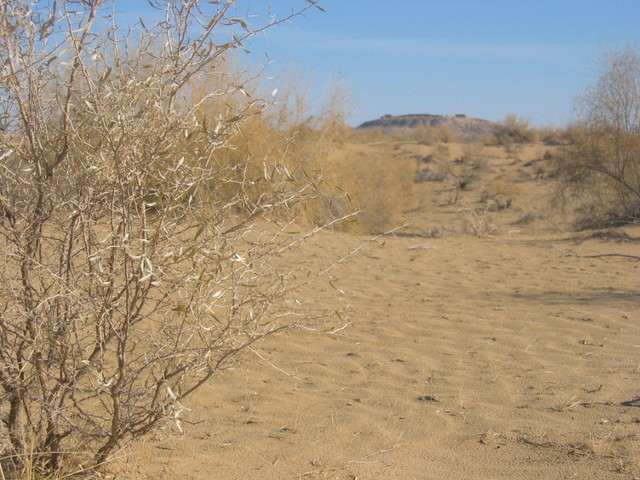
(136, 261)
(602, 165)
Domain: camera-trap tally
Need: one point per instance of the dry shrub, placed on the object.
(464, 175)
(284, 133)
(428, 135)
(600, 170)
(372, 185)
(437, 165)
(473, 154)
(141, 227)
(601, 175)
(281, 136)
(514, 130)
(480, 221)
(512, 134)
(553, 136)
(381, 193)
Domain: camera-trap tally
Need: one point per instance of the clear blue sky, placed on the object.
(484, 58)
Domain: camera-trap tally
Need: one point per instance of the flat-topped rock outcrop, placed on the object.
(458, 123)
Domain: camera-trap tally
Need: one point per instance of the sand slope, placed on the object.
(510, 357)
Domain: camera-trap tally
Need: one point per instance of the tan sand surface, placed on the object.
(515, 356)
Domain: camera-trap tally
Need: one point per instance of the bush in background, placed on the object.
(369, 183)
(514, 130)
(601, 167)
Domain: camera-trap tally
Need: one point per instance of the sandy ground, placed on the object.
(515, 356)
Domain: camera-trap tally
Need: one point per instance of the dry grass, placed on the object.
(480, 221)
(366, 180)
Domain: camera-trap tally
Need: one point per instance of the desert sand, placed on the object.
(511, 352)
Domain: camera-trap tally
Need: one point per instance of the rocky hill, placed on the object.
(458, 123)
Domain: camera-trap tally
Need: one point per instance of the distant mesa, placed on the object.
(458, 122)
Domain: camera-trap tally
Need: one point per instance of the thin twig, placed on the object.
(635, 257)
(274, 366)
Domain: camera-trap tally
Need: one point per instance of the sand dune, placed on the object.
(514, 356)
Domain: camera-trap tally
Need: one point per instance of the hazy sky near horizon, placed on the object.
(483, 58)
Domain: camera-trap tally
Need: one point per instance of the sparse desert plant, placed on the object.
(512, 133)
(496, 202)
(365, 181)
(473, 157)
(463, 175)
(552, 136)
(430, 135)
(480, 221)
(381, 194)
(292, 93)
(139, 257)
(601, 168)
(514, 130)
(332, 121)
